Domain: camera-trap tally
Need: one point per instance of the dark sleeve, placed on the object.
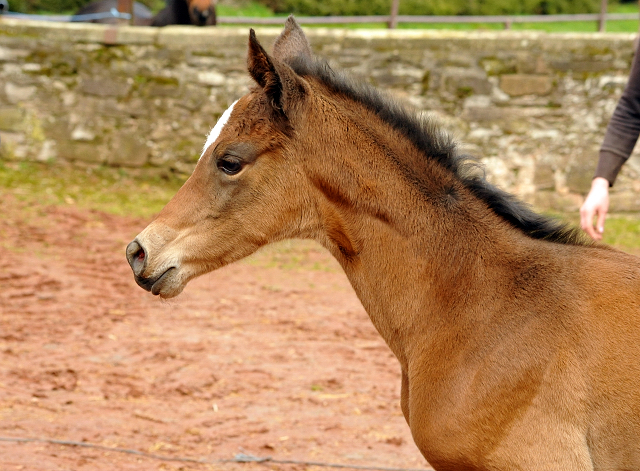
(623, 128)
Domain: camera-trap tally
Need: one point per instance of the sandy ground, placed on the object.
(271, 357)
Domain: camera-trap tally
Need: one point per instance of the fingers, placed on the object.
(586, 222)
(600, 223)
(596, 205)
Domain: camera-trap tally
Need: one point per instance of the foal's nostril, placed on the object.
(136, 256)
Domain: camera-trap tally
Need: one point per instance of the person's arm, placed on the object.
(619, 140)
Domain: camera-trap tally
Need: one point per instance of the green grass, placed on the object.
(106, 189)
(623, 231)
(620, 230)
(249, 10)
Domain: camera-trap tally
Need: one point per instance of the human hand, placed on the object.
(595, 205)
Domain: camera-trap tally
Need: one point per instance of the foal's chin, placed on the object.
(174, 280)
(169, 288)
(168, 285)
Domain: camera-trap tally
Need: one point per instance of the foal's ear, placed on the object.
(292, 42)
(279, 82)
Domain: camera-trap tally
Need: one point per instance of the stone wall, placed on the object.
(531, 106)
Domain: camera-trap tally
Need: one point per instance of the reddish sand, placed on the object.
(272, 357)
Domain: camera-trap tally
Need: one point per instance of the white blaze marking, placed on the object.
(217, 129)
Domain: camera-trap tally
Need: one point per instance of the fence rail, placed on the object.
(507, 20)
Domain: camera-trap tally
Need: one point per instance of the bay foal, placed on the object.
(519, 344)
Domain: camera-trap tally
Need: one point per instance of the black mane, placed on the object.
(439, 147)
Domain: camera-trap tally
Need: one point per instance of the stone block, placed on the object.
(11, 54)
(163, 90)
(47, 151)
(11, 145)
(128, 150)
(84, 152)
(544, 177)
(531, 64)
(12, 138)
(498, 66)
(82, 133)
(52, 31)
(211, 78)
(105, 87)
(16, 93)
(464, 82)
(579, 176)
(489, 115)
(193, 97)
(582, 66)
(524, 84)
(392, 73)
(219, 40)
(12, 119)
(624, 201)
(553, 201)
(139, 35)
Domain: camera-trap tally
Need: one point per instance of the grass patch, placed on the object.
(621, 230)
(247, 10)
(111, 190)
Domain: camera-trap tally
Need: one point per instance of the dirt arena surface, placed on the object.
(271, 357)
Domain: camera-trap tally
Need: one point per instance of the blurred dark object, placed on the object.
(176, 12)
(187, 12)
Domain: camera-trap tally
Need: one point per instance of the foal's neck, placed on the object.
(412, 256)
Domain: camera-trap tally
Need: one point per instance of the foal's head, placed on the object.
(246, 190)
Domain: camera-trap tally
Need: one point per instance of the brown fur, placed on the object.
(519, 343)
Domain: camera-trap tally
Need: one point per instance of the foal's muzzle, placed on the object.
(137, 258)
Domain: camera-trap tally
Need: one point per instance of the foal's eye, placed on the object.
(229, 166)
